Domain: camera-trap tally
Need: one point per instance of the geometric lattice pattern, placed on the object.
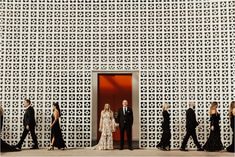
(183, 49)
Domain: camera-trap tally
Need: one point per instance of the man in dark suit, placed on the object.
(125, 120)
(29, 125)
(191, 124)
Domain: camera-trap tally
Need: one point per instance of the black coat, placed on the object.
(126, 119)
(29, 118)
(191, 122)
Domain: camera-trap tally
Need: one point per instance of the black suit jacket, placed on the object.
(191, 122)
(29, 118)
(126, 119)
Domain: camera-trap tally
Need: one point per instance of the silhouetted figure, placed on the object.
(166, 134)
(214, 143)
(29, 125)
(191, 124)
(56, 134)
(231, 148)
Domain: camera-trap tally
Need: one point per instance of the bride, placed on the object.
(106, 127)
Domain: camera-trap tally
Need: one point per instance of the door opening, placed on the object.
(113, 89)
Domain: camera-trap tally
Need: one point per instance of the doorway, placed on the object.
(113, 87)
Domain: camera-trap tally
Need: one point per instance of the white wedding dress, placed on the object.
(107, 127)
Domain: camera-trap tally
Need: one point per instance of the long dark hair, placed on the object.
(56, 104)
(232, 106)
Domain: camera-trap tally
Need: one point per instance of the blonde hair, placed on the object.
(109, 110)
(165, 106)
(191, 103)
(213, 107)
(105, 108)
(232, 106)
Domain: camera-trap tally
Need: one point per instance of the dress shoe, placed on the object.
(17, 147)
(51, 148)
(168, 148)
(34, 147)
(164, 149)
(130, 148)
(200, 149)
(161, 148)
(183, 149)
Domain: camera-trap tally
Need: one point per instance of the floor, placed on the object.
(116, 152)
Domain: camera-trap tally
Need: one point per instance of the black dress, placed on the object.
(166, 135)
(231, 147)
(57, 134)
(214, 141)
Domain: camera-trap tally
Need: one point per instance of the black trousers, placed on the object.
(128, 129)
(194, 136)
(25, 133)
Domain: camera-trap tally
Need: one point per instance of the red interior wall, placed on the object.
(112, 89)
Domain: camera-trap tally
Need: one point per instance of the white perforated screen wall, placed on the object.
(183, 49)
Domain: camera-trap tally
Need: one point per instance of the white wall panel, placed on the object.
(183, 49)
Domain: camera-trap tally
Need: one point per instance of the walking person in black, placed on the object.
(191, 124)
(214, 142)
(231, 148)
(125, 120)
(166, 135)
(56, 134)
(29, 125)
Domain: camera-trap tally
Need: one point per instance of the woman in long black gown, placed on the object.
(214, 141)
(166, 135)
(231, 148)
(56, 134)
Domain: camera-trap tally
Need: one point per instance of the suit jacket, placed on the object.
(29, 118)
(126, 119)
(191, 122)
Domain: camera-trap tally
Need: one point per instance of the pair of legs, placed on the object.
(128, 131)
(164, 144)
(25, 133)
(52, 143)
(57, 141)
(194, 136)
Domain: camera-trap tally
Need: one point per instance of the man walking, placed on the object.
(29, 125)
(191, 124)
